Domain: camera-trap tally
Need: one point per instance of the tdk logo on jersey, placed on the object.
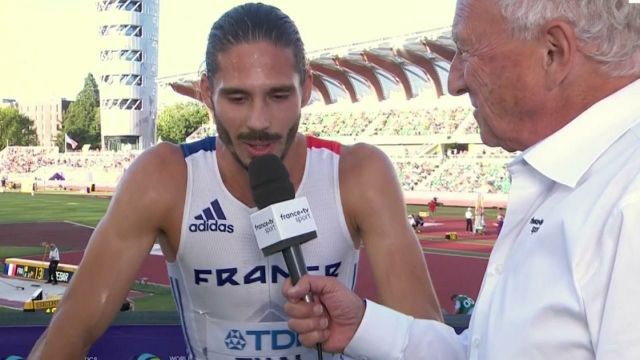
(260, 340)
(212, 219)
(234, 340)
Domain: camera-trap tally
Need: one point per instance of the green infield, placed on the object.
(21, 207)
(158, 298)
(88, 210)
(83, 209)
(19, 251)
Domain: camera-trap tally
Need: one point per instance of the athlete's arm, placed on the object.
(115, 252)
(375, 209)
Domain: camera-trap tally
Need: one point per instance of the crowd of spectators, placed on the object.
(422, 168)
(460, 174)
(326, 124)
(418, 169)
(471, 175)
(387, 122)
(471, 127)
(432, 121)
(24, 159)
(17, 161)
(413, 174)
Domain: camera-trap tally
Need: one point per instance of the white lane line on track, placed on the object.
(78, 224)
(468, 254)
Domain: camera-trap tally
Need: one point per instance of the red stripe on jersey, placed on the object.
(317, 143)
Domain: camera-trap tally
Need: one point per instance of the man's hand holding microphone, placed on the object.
(331, 320)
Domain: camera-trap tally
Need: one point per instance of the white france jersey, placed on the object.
(227, 292)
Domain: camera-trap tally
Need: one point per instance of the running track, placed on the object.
(455, 266)
(450, 273)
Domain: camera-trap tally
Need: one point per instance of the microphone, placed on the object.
(283, 222)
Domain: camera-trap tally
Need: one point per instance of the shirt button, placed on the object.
(498, 269)
(475, 341)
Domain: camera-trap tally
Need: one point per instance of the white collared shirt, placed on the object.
(54, 254)
(468, 215)
(562, 280)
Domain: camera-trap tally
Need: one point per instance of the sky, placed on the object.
(49, 46)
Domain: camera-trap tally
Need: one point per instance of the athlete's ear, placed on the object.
(205, 91)
(307, 86)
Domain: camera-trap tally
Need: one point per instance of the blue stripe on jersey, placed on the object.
(175, 286)
(208, 214)
(206, 144)
(215, 205)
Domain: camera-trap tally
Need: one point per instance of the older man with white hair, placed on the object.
(559, 81)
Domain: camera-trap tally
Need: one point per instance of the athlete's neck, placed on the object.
(236, 179)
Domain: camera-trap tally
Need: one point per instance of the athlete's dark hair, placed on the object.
(249, 23)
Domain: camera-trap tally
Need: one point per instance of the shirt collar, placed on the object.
(566, 155)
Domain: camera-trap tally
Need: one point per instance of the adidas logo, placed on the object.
(211, 219)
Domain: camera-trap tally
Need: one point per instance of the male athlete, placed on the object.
(196, 201)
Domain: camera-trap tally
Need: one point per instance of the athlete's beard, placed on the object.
(254, 135)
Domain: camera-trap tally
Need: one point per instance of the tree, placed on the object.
(16, 129)
(82, 120)
(178, 121)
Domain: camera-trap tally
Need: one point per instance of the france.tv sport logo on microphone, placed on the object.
(282, 224)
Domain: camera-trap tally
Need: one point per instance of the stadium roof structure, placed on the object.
(413, 63)
(408, 66)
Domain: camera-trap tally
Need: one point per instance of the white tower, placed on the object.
(128, 38)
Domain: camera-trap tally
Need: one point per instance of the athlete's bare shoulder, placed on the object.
(366, 177)
(363, 160)
(158, 175)
(161, 159)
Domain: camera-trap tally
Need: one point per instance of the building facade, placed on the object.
(47, 118)
(128, 37)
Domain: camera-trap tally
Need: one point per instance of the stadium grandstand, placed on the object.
(390, 92)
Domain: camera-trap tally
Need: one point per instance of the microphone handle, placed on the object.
(296, 265)
(297, 268)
